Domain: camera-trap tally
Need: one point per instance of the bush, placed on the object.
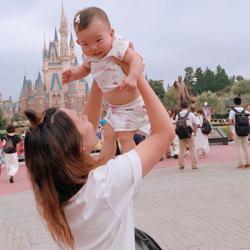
(2, 133)
(220, 116)
(227, 132)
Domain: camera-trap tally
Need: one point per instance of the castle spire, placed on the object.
(39, 82)
(24, 81)
(55, 36)
(64, 47)
(45, 52)
(71, 41)
(63, 17)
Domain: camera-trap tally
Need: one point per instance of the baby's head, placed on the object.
(93, 31)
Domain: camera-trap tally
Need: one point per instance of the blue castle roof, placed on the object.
(55, 80)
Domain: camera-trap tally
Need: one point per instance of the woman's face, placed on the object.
(85, 128)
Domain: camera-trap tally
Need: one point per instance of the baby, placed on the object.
(126, 113)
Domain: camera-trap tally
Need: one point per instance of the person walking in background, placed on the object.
(239, 121)
(186, 131)
(174, 149)
(201, 139)
(206, 111)
(10, 140)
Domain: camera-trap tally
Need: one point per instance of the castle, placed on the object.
(48, 90)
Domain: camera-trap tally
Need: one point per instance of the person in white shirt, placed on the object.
(201, 140)
(88, 204)
(190, 142)
(241, 142)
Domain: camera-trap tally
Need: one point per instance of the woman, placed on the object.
(88, 204)
(10, 155)
(201, 140)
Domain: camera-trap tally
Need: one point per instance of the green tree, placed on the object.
(209, 81)
(241, 88)
(2, 120)
(189, 79)
(189, 76)
(197, 86)
(222, 80)
(169, 99)
(217, 104)
(157, 86)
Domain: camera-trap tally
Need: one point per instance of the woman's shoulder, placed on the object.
(125, 166)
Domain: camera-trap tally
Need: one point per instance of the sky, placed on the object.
(169, 34)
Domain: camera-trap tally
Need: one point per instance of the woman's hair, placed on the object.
(84, 17)
(57, 167)
(10, 128)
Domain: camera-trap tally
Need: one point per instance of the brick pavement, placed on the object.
(205, 209)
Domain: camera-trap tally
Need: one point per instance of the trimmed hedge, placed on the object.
(220, 116)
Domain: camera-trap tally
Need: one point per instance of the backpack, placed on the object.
(206, 127)
(144, 242)
(242, 127)
(182, 129)
(9, 146)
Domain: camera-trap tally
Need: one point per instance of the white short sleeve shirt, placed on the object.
(101, 214)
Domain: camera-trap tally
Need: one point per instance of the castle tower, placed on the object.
(64, 49)
(48, 90)
(56, 41)
(72, 51)
(24, 96)
(45, 62)
(39, 94)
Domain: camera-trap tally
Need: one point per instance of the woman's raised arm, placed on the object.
(157, 144)
(93, 107)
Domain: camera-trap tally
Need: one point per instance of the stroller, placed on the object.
(144, 242)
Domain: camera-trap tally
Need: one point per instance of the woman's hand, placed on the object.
(124, 66)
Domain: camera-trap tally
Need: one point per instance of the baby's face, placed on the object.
(96, 39)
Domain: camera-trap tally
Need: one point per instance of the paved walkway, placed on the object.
(205, 209)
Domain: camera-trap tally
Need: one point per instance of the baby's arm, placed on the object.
(75, 73)
(135, 69)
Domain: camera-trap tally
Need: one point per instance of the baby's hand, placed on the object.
(67, 76)
(129, 83)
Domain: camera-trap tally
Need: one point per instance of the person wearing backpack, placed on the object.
(10, 140)
(239, 121)
(186, 131)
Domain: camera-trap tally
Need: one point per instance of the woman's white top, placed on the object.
(101, 214)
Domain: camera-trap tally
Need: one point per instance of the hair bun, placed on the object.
(35, 118)
(31, 115)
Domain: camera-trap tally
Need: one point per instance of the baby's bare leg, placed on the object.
(109, 143)
(126, 139)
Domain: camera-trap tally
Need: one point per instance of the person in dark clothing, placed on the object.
(10, 140)
(137, 139)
